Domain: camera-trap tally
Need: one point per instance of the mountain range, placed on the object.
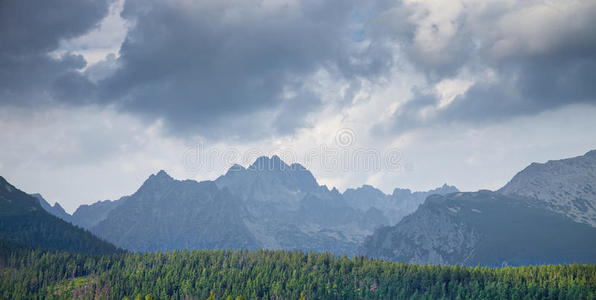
(269, 204)
(544, 215)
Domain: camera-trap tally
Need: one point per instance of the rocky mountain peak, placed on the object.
(160, 176)
(401, 193)
(235, 168)
(371, 189)
(5, 185)
(335, 191)
(565, 186)
(58, 206)
(157, 181)
(264, 163)
(482, 227)
(445, 189)
(591, 153)
(55, 210)
(273, 169)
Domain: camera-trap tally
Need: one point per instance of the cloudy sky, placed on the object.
(95, 95)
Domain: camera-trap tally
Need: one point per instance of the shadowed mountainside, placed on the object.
(23, 221)
(543, 215)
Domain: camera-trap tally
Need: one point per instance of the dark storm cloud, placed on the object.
(546, 69)
(292, 112)
(29, 31)
(407, 116)
(242, 68)
(199, 64)
(216, 68)
(524, 88)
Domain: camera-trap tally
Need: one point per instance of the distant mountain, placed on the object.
(270, 205)
(566, 186)
(485, 228)
(395, 206)
(55, 210)
(89, 215)
(532, 220)
(86, 215)
(286, 208)
(170, 214)
(23, 221)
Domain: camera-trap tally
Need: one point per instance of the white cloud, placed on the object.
(83, 155)
(435, 25)
(486, 157)
(105, 39)
(537, 27)
(448, 89)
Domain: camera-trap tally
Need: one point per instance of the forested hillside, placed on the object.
(274, 274)
(24, 221)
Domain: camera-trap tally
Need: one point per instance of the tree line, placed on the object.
(27, 273)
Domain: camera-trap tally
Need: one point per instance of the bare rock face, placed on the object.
(486, 228)
(566, 186)
(431, 235)
(171, 214)
(268, 205)
(286, 208)
(545, 214)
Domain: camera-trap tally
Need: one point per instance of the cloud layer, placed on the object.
(501, 59)
(246, 69)
(29, 32)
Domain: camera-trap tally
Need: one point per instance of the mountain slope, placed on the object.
(25, 222)
(485, 228)
(566, 186)
(286, 208)
(269, 205)
(89, 215)
(55, 210)
(170, 214)
(543, 215)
